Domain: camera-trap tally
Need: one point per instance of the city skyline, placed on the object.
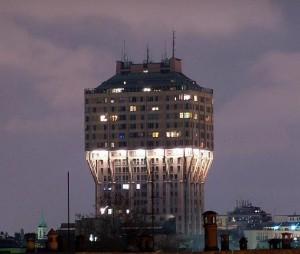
(248, 52)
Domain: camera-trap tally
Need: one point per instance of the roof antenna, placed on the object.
(165, 56)
(173, 45)
(147, 57)
(124, 52)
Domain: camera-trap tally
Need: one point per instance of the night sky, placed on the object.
(247, 51)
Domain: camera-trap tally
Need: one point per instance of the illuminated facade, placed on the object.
(149, 143)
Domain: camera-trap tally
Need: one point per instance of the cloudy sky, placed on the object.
(247, 51)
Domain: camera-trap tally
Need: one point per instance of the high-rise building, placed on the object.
(149, 143)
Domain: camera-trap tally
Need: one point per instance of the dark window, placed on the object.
(133, 126)
(150, 125)
(122, 126)
(132, 117)
(122, 108)
(122, 117)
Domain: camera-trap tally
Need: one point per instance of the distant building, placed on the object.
(149, 143)
(244, 216)
(258, 239)
(42, 231)
(294, 218)
(247, 216)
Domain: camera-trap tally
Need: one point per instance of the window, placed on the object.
(172, 134)
(114, 118)
(103, 118)
(125, 186)
(184, 97)
(147, 89)
(122, 117)
(132, 117)
(185, 115)
(117, 90)
(155, 108)
(155, 134)
(132, 108)
(195, 98)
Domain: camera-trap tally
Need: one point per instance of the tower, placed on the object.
(42, 229)
(149, 143)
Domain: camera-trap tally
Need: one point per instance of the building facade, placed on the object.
(149, 143)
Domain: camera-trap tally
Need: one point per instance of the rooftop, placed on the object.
(162, 76)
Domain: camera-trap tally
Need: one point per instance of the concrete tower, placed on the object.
(149, 143)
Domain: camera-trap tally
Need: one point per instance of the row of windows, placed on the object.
(154, 144)
(181, 97)
(154, 134)
(142, 125)
(151, 125)
(118, 162)
(134, 108)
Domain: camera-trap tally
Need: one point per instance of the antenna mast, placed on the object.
(147, 57)
(173, 45)
(124, 52)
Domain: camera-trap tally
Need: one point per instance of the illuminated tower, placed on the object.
(149, 143)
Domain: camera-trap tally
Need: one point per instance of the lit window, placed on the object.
(127, 211)
(147, 89)
(186, 97)
(103, 118)
(145, 71)
(195, 98)
(112, 101)
(195, 116)
(112, 144)
(155, 134)
(109, 211)
(117, 90)
(155, 108)
(114, 118)
(124, 82)
(132, 108)
(172, 134)
(125, 186)
(138, 186)
(185, 115)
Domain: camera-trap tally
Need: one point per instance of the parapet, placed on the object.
(167, 65)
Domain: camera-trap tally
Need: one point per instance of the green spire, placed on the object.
(42, 223)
